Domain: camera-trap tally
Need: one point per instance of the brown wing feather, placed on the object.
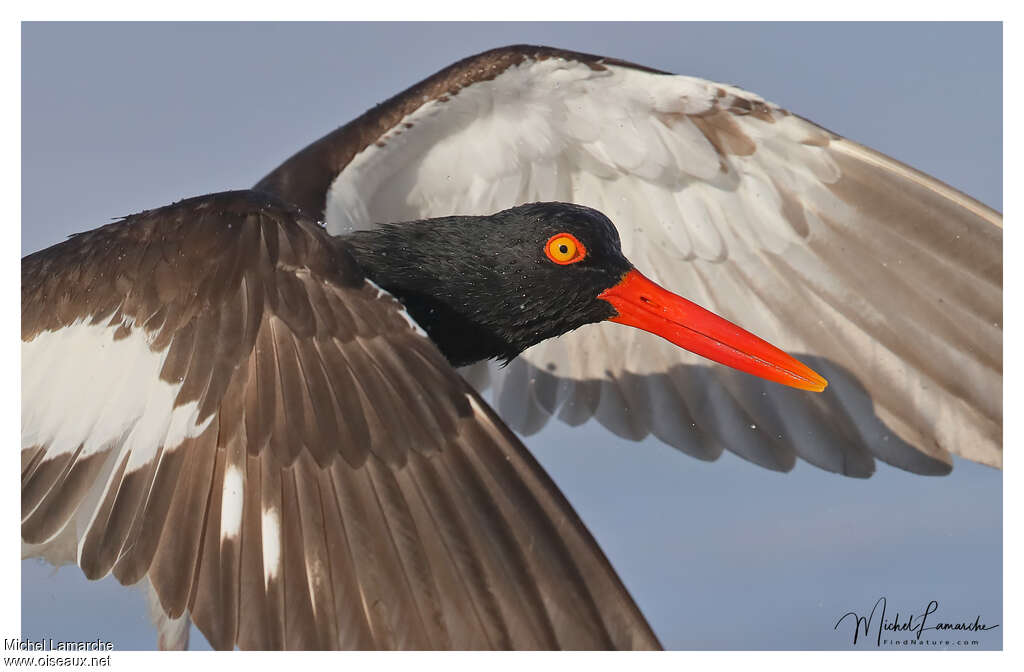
(348, 489)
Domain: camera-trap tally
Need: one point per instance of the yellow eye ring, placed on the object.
(564, 248)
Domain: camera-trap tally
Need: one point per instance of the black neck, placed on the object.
(447, 306)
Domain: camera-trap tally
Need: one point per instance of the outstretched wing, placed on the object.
(215, 399)
(884, 280)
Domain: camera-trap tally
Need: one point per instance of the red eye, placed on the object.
(564, 248)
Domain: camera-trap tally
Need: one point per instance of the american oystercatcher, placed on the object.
(160, 471)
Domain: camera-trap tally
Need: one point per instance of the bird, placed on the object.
(248, 375)
(366, 172)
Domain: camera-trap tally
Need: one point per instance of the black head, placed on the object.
(490, 287)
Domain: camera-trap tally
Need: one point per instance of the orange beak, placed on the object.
(645, 305)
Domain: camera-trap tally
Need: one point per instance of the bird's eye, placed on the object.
(564, 248)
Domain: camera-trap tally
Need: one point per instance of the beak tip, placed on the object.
(812, 380)
(816, 383)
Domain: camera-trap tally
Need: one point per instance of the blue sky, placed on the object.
(118, 118)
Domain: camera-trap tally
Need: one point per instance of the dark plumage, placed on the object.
(340, 486)
(299, 441)
(482, 287)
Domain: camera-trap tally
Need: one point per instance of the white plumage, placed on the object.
(101, 390)
(752, 212)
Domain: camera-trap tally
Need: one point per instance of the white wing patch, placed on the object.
(511, 141)
(271, 528)
(232, 503)
(82, 388)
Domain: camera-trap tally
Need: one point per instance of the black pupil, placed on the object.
(563, 248)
